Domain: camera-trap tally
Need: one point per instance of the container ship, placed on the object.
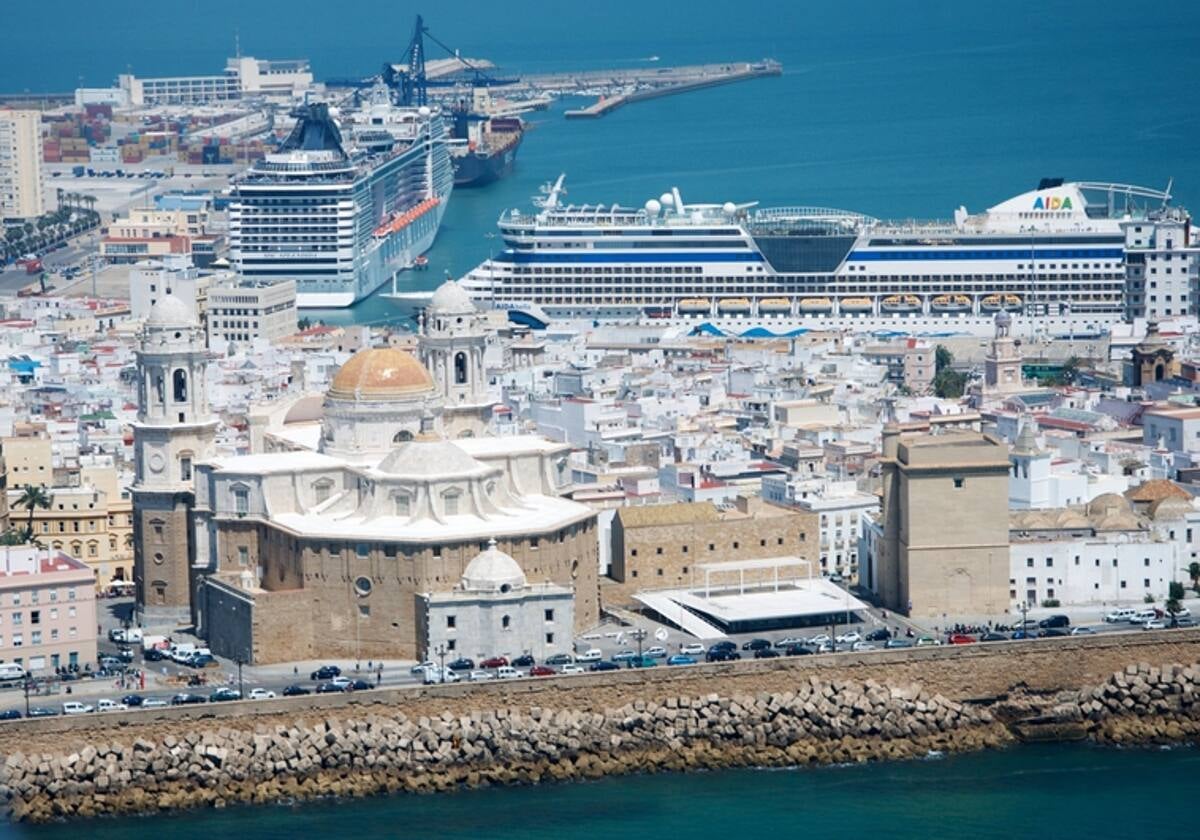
(342, 209)
(1057, 254)
(485, 144)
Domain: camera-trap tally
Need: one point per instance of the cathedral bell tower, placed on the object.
(452, 346)
(174, 430)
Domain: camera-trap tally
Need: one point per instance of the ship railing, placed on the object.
(832, 214)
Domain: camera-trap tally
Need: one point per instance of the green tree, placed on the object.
(949, 384)
(31, 499)
(942, 359)
(1174, 604)
(1194, 574)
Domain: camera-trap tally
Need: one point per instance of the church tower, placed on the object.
(452, 346)
(174, 430)
(1002, 366)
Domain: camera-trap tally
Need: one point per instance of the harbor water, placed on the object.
(894, 110)
(1063, 792)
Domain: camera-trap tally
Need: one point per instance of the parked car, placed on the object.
(1054, 631)
(604, 666)
(849, 638)
(881, 634)
(434, 676)
(624, 655)
(1082, 631)
(185, 699)
(478, 676)
(74, 707)
(153, 655)
(722, 655)
(993, 637)
(692, 649)
(508, 672)
(133, 700)
(295, 691)
(724, 644)
(462, 664)
(10, 714)
(525, 661)
(962, 639)
(573, 669)
(224, 695)
(420, 667)
(261, 694)
(154, 703)
(1154, 624)
(798, 650)
(820, 639)
(560, 659)
(927, 641)
(757, 644)
(656, 652)
(325, 672)
(1120, 616)
(788, 641)
(358, 685)
(1024, 634)
(680, 659)
(858, 646)
(542, 671)
(42, 711)
(1055, 621)
(494, 662)
(202, 660)
(893, 644)
(341, 682)
(106, 705)
(590, 655)
(329, 688)
(643, 662)
(1142, 616)
(766, 653)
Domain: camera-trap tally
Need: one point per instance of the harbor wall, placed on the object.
(784, 712)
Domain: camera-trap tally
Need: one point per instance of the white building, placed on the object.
(241, 313)
(1160, 268)
(1034, 483)
(22, 191)
(839, 507)
(173, 276)
(243, 77)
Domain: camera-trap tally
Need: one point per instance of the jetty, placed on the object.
(666, 82)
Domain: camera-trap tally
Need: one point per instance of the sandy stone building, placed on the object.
(945, 540)
(659, 546)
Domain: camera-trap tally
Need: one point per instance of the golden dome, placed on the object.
(380, 373)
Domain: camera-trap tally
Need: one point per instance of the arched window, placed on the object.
(185, 466)
(159, 395)
(402, 436)
(321, 490)
(460, 368)
(505, 622)
(179, 385)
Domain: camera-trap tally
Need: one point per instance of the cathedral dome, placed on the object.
(381, 374)
(170, 311)
(493, 571)
(451, 299)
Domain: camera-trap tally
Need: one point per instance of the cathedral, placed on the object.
(358, 513)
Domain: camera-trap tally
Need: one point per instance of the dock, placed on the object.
(681, 81)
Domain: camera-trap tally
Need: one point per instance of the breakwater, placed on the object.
(770, 714)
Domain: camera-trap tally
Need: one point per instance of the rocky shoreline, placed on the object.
(208, 763)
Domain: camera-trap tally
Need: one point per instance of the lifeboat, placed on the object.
(950, 303)
(400, 221)
(855, 304)
(991, 303)
(901, 303)
(774, 305)
(816, 305)
(733, 306)
(694, 306)
(421, 263)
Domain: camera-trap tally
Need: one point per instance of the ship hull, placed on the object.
(476, 169)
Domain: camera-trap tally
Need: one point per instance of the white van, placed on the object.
(508, 672)
(11, 671)
(1120, 616)
(181, 651)
(1142, 616)
(105, 705)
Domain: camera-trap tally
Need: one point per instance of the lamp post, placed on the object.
(441, 652)
(640, 635)
(241, 693)
(1024, 612)
(28, 681)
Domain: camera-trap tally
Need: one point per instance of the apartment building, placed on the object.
(47, 610)
(22, 191)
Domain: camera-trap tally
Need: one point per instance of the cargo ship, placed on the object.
(1056, 255)
(343, 214)
(485, 145)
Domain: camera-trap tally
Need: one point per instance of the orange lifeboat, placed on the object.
(403, 220)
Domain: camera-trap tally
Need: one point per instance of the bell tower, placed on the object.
(174, 430)
(452, 346)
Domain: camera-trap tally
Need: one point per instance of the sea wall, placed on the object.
(768, 713)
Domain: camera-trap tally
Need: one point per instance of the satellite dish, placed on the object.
(661, 634)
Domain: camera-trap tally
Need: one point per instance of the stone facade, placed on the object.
(659, 546)
(945, 525)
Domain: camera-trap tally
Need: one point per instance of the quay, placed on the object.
(682, 80)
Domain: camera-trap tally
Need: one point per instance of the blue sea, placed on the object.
(1064, 792)
(893, 109)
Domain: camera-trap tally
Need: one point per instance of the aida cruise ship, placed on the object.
(1056, 254)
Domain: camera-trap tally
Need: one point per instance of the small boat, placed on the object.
(774, 305)
(657, 311)
(400, 221)
(950, 303)
(901, 303)
(816, 305)
(733, 306)
(693, 306)
(855, 304)
(421, 263)
(991, 303)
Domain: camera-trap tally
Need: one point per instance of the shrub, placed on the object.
(1050, 602)
(1149, 599)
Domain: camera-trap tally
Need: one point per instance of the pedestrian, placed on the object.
(295, 670)
(378, 678)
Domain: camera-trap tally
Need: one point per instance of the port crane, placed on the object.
(410, 81)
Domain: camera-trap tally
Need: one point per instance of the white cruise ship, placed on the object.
(343, 216)
(1056, 254)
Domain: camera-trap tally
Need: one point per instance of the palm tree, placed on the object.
(1194, 574)
(31, 499)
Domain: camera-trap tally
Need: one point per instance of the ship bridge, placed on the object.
(806, 240)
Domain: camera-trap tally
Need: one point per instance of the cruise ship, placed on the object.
(342, 214)
(1055, 254)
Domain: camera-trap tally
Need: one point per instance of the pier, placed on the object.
(666, 82)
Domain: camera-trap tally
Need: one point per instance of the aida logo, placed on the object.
(1052, 203)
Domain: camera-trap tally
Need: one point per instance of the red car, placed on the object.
(541, 671)
(962, 639)
(494, 662)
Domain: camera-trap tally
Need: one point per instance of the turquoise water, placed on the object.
(892, 109)
(1060, 792)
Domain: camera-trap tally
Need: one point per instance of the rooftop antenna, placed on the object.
(237, 42)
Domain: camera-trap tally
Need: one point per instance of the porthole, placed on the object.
(362, 585)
